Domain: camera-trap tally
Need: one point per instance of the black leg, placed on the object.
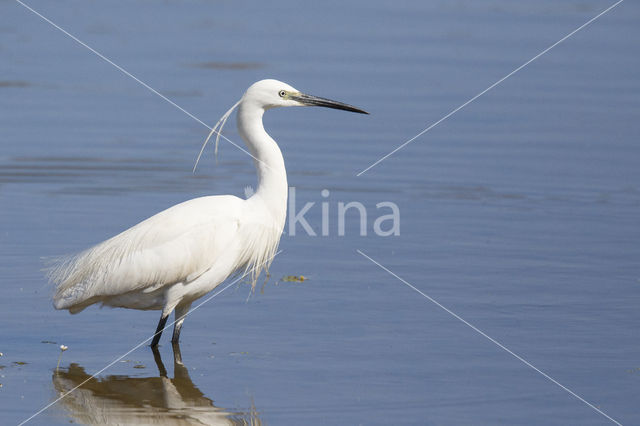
(181, 314)
(175, 339)
(156, 337)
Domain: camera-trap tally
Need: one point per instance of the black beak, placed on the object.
(328, 103)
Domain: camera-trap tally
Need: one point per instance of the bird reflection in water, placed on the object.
(121, 399)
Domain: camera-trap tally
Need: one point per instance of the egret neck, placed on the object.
(272, 184)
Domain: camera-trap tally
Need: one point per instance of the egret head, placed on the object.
(273, 93)
(266, 94)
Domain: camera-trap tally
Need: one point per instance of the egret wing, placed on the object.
(175, 245)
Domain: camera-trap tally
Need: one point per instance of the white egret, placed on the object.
(180, 254)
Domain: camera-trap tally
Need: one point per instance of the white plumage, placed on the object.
(182, 253)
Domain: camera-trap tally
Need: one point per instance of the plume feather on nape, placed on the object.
(218, 130)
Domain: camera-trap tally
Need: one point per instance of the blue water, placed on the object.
(519, 213)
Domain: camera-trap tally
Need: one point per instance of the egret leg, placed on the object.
(181, 314)
(159, 329)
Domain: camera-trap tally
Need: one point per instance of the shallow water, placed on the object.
(520, 213)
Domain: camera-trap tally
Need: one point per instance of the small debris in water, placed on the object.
(50, 342)
(293, 278)
(20, 363)
(62, 349)
(139, 366)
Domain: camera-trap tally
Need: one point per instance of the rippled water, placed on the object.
(519, 213)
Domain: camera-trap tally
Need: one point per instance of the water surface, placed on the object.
(520, 213)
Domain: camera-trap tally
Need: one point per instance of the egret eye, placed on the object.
(282, 93)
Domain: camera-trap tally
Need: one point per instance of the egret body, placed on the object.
(180, 254)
